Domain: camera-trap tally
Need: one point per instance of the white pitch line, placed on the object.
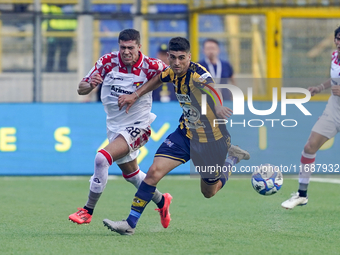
(326, 180)
(168, 177)
(45, 178)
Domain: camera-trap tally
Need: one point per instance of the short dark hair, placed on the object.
(211, 40)
(337, 31)
(129, 35)
(179, 44)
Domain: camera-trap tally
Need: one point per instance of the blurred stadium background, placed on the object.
(269, 44)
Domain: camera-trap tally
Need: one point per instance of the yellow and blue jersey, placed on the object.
(189, 89)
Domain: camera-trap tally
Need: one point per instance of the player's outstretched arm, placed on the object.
(222, 112)
(317, 89)
(85, 88)
(129, 100)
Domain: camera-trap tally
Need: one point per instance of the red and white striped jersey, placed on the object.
(333, 106)
(119, 79)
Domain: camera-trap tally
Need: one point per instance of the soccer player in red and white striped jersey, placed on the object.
(327, 126)
(120, 73)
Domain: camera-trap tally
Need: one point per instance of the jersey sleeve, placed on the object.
(99, 67)
(167, 75)
(202, 76)
(155, 67)
(334, 55)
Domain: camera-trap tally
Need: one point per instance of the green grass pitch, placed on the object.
(34, 219)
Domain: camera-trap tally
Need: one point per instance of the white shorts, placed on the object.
(326, 126)
(135, 136)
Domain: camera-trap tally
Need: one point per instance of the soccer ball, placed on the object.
(267, 179)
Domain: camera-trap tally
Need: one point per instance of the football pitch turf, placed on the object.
(34, 219)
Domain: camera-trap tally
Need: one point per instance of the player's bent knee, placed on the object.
(208, 193)
(209, 189)
(99, 179)
(310, 148)
(103, 159)
(153, 175)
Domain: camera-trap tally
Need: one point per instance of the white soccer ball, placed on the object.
(267, 179)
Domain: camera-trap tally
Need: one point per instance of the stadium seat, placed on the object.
(111, 8)
(125, 8)
(108, 45)
(211, 23)
(104, 8)
(115, 25)
(171, 8)
(168, 26)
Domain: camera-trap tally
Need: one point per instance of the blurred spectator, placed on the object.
(166, 91)
(162, 53)
(20, 7)
(63, 44)
(19, 22)
(221, 70)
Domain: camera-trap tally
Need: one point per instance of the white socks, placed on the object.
(307, 167)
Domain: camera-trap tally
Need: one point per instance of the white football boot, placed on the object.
(294, 201)
(121, 227)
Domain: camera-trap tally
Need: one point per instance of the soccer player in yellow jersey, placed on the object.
(197, 137)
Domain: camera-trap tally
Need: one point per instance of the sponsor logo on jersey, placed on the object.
(119, 90)
(191, 113)
(184, 88)
(193, 67)
(118, 78)
(137, 84)
(203, 77)
(192, 117)
(183, 98)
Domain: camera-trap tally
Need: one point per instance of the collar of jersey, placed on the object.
(137, 64)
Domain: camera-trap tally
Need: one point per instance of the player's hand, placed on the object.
(223, 111)
(314, 90)
(336, 90)
(95, 80)
(128, 100)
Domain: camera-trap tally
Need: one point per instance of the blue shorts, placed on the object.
(179, 147)
(176, 146)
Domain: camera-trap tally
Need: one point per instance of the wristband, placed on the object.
(136, 94)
